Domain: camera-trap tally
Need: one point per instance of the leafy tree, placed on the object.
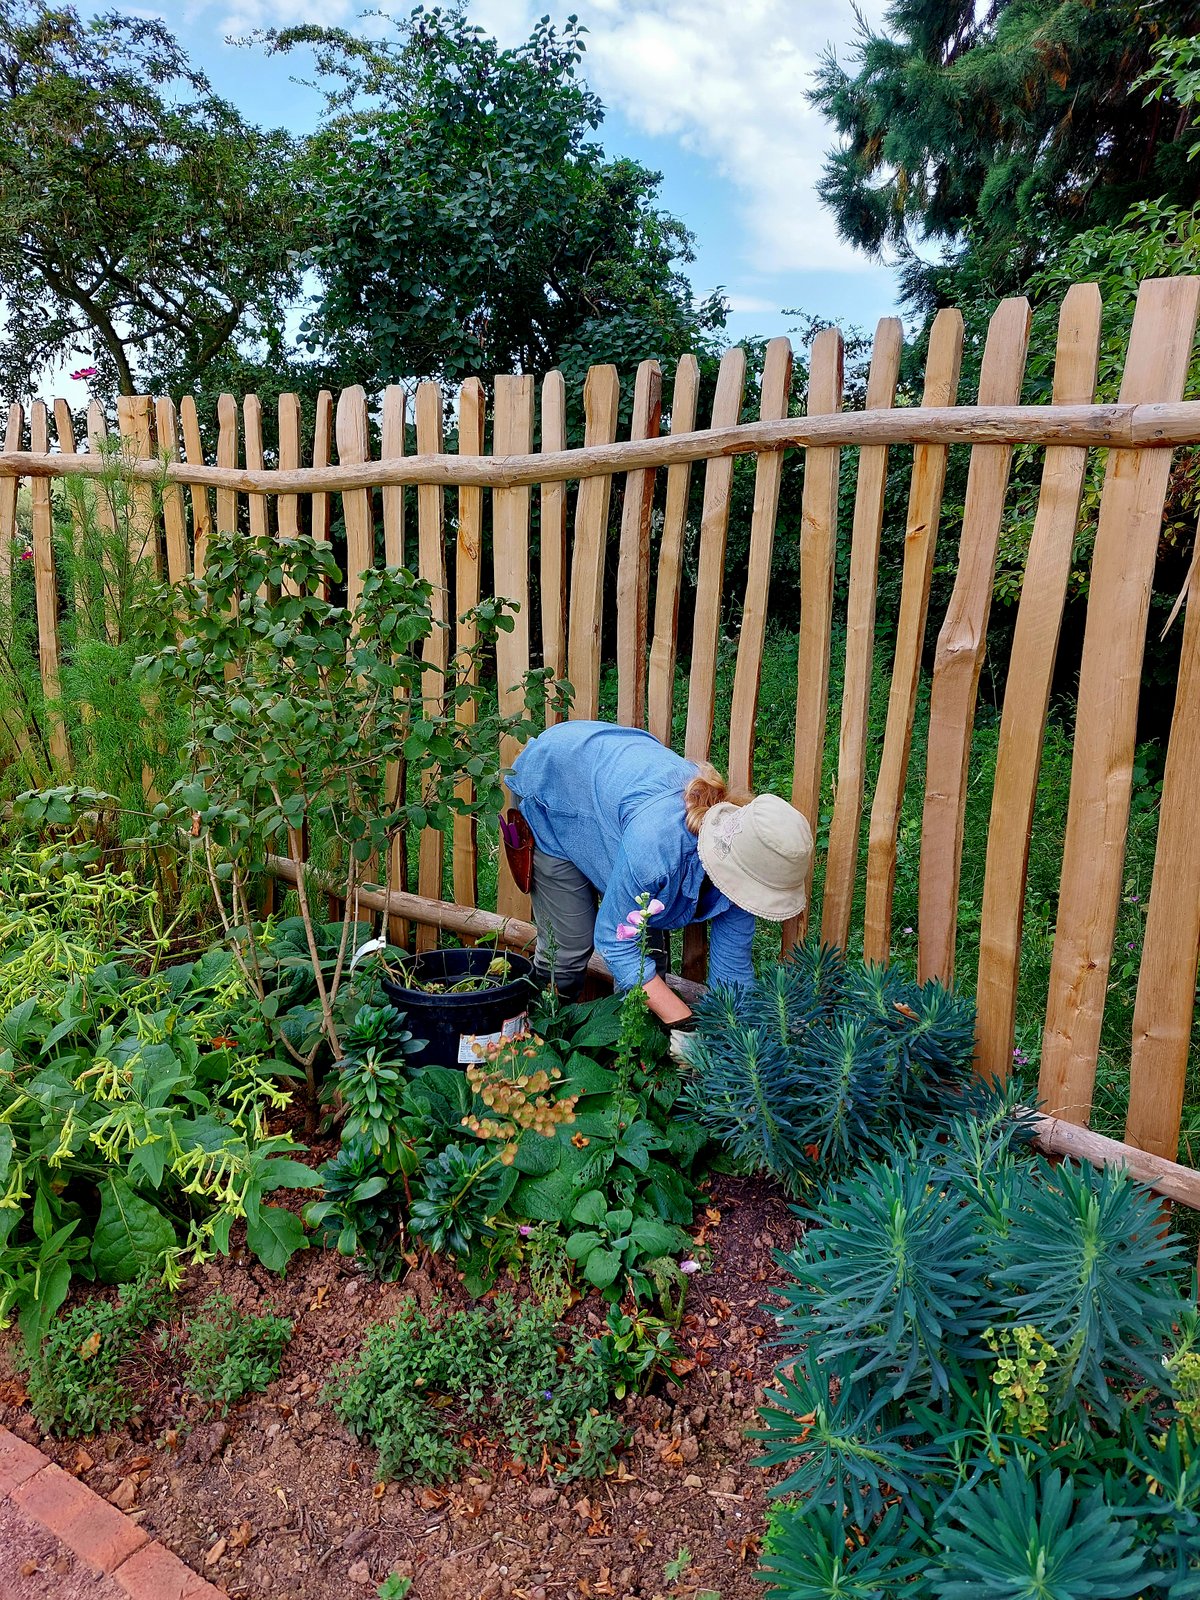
(468, 221)
(1010, 125)
(143, 222)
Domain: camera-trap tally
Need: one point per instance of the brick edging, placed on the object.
(100, 1535)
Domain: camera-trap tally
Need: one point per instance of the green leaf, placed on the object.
(274, 1236)
(582, 1243)
(547, 1199)
(282, 1172)
(652, 1238)
(131, 1236)
(590, 1209)
(537, 1155)
(602, 1267)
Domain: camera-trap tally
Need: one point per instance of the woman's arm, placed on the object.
(665, 1003)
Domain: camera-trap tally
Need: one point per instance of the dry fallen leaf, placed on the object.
(83, 1462)
(28, 1568)
(124, 1496)
(319, 1299)
(211, 1557)
(241, 1536)
(89, 1346)
(713, 1215)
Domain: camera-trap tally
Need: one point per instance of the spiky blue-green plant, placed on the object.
(812, 1553)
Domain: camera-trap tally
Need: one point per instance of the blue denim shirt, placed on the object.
(610, 800)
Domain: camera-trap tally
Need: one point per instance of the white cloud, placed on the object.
(727, 78)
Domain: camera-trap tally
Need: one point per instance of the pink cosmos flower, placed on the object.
(26, 555)
(84, 373)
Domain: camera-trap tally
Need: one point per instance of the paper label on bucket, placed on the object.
(471, 1046)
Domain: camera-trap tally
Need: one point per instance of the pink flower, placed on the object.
(654, 908)
(636, 918)
(524, 1230)
(689, 1267)
(26, 555)
(625, 932)
(84, 373)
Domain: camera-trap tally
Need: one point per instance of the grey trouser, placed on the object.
(564, 909)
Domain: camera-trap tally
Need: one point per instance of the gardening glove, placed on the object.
(678, 1047)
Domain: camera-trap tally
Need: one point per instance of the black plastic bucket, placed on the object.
(452, 1025)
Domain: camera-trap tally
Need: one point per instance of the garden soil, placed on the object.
(276, 1501)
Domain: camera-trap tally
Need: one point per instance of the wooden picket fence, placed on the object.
(653, 473)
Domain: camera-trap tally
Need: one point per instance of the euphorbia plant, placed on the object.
(317, 722)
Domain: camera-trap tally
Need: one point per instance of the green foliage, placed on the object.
(1012, 126)
(371, 1083)
(230, 1354)
(467, 223)
(394, 1587)
(417, 1378)
(140, 214)
(634, 1350)
(124, 742)
(678, 1565)
(361, 1210)
(824, 1061)
(610, 1244)
(134, 1098)
(306, 713)
(76, 1383)
(981, 1399)
(463, 1189)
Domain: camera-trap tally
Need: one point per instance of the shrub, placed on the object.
(823, 1061)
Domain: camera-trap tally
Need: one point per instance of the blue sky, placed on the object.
(709, 92)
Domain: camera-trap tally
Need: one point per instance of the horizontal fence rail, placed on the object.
(1124, 426)
(626, 547)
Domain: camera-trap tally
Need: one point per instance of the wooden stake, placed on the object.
(633, 561)
(920, 541)
(960, 648)
(1127, 535)
(137, 444)
(46, 589)
(670, 558)
(166, 426)
(818, 553)
(472, 412)
(601, 394)
(513, 427)
(710, 578)
(227, 454)
(841, 866)
(768, 476)
(1027, 693)
(432, 567)
(353, 446)
(193, 449)
(553, 540)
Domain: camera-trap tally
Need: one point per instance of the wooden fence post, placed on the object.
(552, 531)
(661, 695)
(818, 552)
(137, 444)
(1027, 693)
(775, 394)
(841, 865)
(431, 564)
(227, 456)
(193, 449)
(391, 448)
(960, 649)
(472, 416)
(633, 562)
(166, 426)
(920, 540)
(1127, 534)
(13, 439)
(601, 394)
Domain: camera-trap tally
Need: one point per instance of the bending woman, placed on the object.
(614, 815)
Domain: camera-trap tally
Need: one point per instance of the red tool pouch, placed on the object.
(518, 847)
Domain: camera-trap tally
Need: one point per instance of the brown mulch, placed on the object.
(277, 1501)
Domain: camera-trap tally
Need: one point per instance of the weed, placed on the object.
(502, 1369)
(394, 1587)
(678, 1565)
(76, 1383)
(230, 1354)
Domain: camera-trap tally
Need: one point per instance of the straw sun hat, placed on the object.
(758, 855)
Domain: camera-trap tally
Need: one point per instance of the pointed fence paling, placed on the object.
(606, 557)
